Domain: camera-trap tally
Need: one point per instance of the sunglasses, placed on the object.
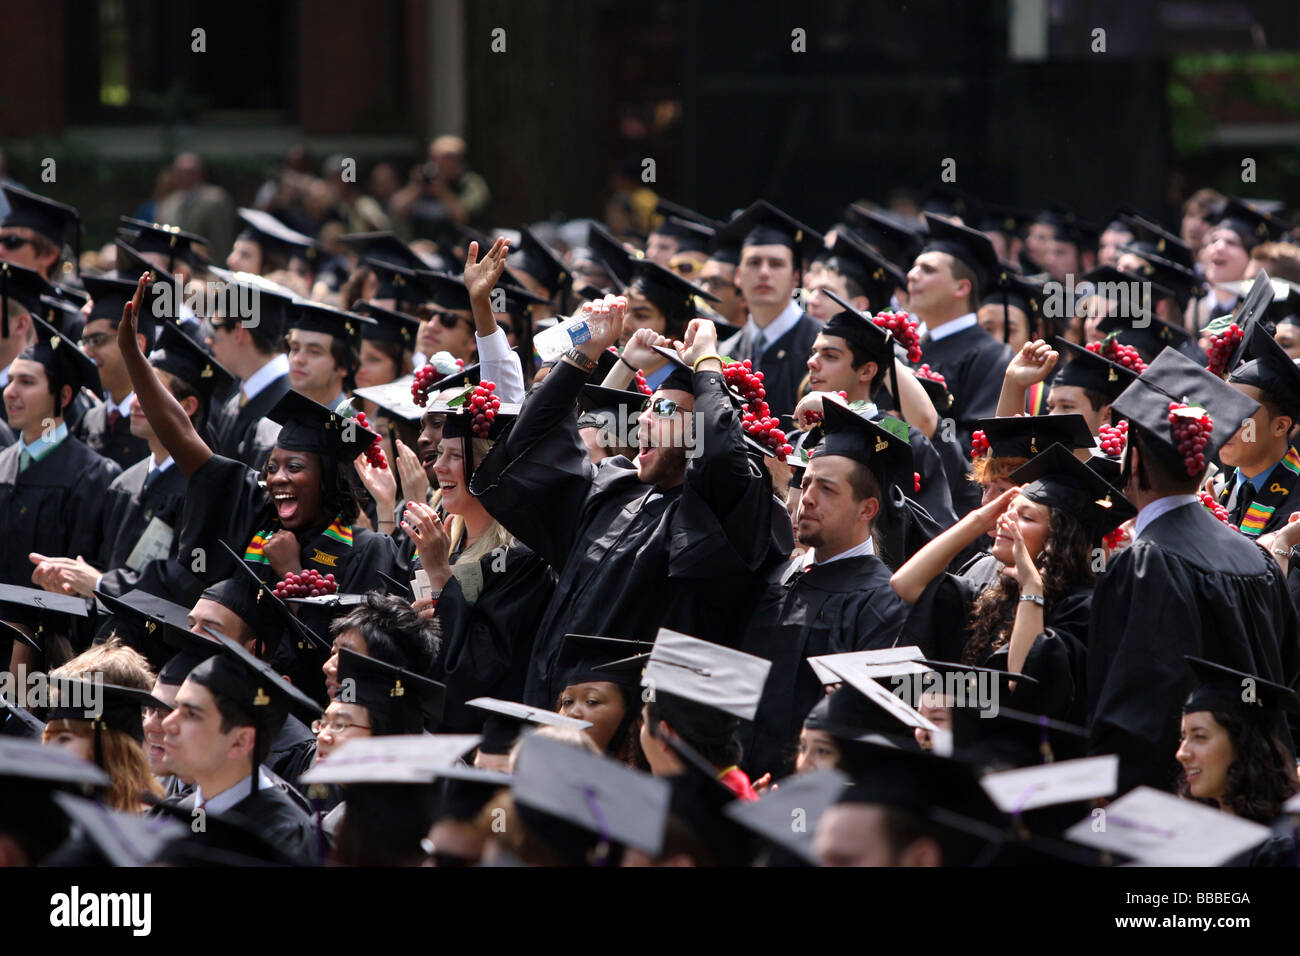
(664, 407)
(14, 241)
(448, 320)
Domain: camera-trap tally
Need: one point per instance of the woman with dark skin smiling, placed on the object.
(308, 521)
(1233, 756)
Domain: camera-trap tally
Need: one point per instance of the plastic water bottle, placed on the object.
(568, 333)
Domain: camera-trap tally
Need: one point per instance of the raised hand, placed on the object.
(640, 352)
(379, 482)
(1032, 364)
(126, 330)
(606, 317)
(432, 542)
(481, 276)
(415, 483)
(1024, 571)
(701, 340)
(986, 517)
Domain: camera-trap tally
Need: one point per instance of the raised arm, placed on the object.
(166, 416)
(913, 402)
(911, 580)
(1031, 365)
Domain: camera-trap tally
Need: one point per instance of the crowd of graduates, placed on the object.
(919, 541)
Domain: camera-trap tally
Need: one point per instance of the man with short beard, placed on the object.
(664, 541)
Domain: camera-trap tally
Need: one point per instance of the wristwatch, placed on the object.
(587, 365)
(1036, 598)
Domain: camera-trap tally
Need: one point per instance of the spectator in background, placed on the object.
(1195, 229)
(1281, 260)
(443, 193)
(198, 206)
(359, 212)
(163, 185)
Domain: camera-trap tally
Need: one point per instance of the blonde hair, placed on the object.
(987, 469)
(565, 735)
(495, 537)
(122, 756)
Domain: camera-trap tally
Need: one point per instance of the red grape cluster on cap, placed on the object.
(374, 451)
(757, 421)
(1214, 508)
(1113, 439)
(1126, 355)
(1222, 345)
(979, 444)
(904, 328)
(1192, 433)
(307, 583)
(483, 405)
(930, 375)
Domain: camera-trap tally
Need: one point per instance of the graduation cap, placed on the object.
(598, 802)
(121, 839)
(178, 354)
(55, 221)
(967, 246)
(28, 724)
(805, 796)
(1068, 227)
(460, 424)
(899, 242)
(1148, 335)
(540, 261)
(22, 759)
(888, 657)
(145, 607)
(316, 317)
(971, 675)
(702, 688)
(253, 687)
(307, 425)
(682, 377)
(669, 292)
(1025, 294)
(1091, 371)
(850, 435)
(1168, 279)
(275, 237)
(862, 705)
(1024, 436)
(191, 650)
(404, 286)
(1159, 829)
(944, 200)
(1059, 480)
(263, 602)
(1007, 220)
(860, 330)
(585, 658)
(106, 706)
(109, 297)
(40, 610)
(160, 239)
(1152, 239)
(270, 303)
(1266, 366)
(398, 758)
(998, 736)
(506, 720)
(1025, 789)
(394, 399)
(1222, 689)
(385, 247)
(1250, 222)
(64, 362)
(447, 291)
(762, 224)
(390, 326)
(853, 259)
(669, 209)
(690, 236)
(406, 700)
(25, 286)
(612, 409)
(1175, 378)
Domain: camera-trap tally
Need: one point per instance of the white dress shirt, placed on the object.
(783, 323)
(265, 375)
(498, 363)
(857, 551)
(959, 324)
(223, 801)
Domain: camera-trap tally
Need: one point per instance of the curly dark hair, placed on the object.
(1262, 776)
(1065, 564)
(394, 633)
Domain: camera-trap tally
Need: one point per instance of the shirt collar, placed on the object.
(782, 324)
(43, 445)
(1157, 508)
(959, 324)
(265, 375)
(155, 466)
(1260, 480)
(857, 551)
(228, 798)
(124, 406)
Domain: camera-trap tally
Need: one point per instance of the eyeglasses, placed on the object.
(448, 320)
(96, 340)
(14, 241)
(149, 713)
(664, 407)
(335, 727)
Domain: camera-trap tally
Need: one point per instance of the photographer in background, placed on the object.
(443, 193)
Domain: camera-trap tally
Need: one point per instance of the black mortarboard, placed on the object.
(1010, 289)
(611, 408)
(317, 317)
(1225, 690)
(1250, 222)
(669, 209)
(447, 291)
(467, 376)
(191, 650)
(394, 399)
(274, 236)
(1004, 219)
(585, 658)
(405, 699)
(762, 224)
(459, 423)
(936, 387)
(1168, 279)
(899, 242)
(1148, 338)
(858, 329)
(673, 295)
(1088, 370)
(129, 263)
(1068, 227)
(850, 435)
(690, 236)
(969, 247)
(25, 286)
(1266, 366)
(1175, 378)
(17, 634)
(1024, 436)
(257, 606)
(121, 839)
(681, 378)
(725, 248)
(1059, 480)
(105, 705)
(1000, 737)
(307, 425)
(161, 239)
(269, 303)
(877, 277)
(56, 221)
(178, 354)
(606, 802)
(506, 720)
(397, 328)
(944, 200)
(41, 610)
(404, 286)
(538, 260)
(64, 362)
(517, 303)
(1285, 306)
(1152, 239)
(803, 797)
(145, 607)
(914, 780)
(25, 723)
(863, 704)
(383, 247)
(109, 297)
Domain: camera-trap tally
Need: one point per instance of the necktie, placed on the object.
(24, 459)
(243, 399)
(1245, 495)
(149, 479)
(114, 416)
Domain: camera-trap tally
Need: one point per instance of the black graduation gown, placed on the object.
(973, 363)
(487, 642)
(7, 436)
(236, 429)
(1271, 507)
(273, 816)
(832, 608)
(116, 443)
(1188, 585)
(935, 495)
(939, 621)
(55, 507)
(784, 363)
(630, 557)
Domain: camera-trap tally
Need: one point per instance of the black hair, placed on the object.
(394, 633)
(235, 715)
(383, 825)
(712, 733)
(1262, 775)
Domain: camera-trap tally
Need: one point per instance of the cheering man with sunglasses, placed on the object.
(676, 539)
